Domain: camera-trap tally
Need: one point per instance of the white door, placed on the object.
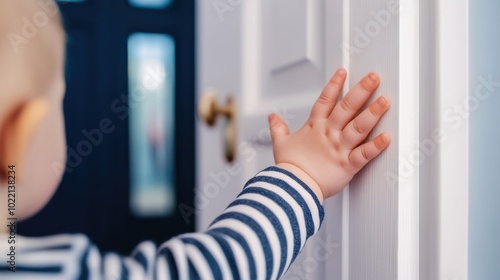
(276, 55)
(272, 56)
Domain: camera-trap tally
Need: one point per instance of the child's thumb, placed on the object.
(278, 126)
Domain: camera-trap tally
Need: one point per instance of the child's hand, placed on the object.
(327, 151)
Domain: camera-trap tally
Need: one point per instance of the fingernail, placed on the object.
(385, 138)
(373, 77)
(341, 72)
(382, 101)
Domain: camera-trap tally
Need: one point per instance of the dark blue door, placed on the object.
(129, 111)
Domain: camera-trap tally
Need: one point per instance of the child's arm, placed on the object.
(260, 234)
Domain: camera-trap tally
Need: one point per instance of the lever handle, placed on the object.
(209, 111)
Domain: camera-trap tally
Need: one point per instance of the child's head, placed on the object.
(31, 92)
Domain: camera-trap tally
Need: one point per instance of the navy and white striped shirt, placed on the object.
(257, 237)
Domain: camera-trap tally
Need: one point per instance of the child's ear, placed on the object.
(19, 128)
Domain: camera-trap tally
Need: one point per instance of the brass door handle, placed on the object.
(209, 111)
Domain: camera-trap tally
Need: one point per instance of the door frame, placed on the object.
(432, 178)
(444, 193)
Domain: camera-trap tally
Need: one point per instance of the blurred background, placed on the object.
(484, 167)
(129, 111)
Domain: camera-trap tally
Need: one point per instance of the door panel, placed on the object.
(283, 53)
(292, 46)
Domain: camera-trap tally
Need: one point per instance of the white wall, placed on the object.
(484, 207)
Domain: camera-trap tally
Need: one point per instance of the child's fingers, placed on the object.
(358, 129)
(347, 108)
(328, 98)
(277, 126)
(363, 154)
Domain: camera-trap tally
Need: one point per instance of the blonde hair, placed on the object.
(32, 39)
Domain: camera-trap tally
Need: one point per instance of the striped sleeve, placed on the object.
(258, 236)
(275, 210)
